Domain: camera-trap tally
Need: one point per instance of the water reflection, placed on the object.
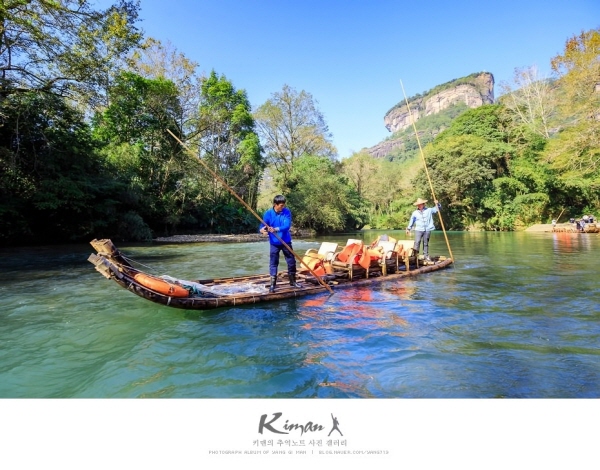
(567, 242)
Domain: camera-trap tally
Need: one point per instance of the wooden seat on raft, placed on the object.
(325, 252)
(405, 251)
(389, 257)
(356, 258)
(319, 260)
(351, 256)
(383, 255)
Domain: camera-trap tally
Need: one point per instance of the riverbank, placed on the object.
(215, 238)
(257, 237)
(540, 228)
(231, 238)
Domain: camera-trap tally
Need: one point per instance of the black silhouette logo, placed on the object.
(335, 426)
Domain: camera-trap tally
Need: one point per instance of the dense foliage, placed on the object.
(321, 198)
(52, 183)
(88, 110)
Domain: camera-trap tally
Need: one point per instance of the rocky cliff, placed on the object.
(474, 90)
(383, 149)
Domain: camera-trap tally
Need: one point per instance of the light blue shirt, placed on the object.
(423, 220)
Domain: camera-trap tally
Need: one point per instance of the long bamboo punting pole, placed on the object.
(426, 170)
(245, 204)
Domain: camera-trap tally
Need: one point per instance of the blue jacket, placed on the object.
(423, 220)
(281, 223)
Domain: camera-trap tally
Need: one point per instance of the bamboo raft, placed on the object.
(574, 228)
(379, 262)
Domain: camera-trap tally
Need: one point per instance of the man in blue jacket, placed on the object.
(422, 220)
(278, 220)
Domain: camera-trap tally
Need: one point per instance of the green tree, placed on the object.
(227, 142)
(63, 46)
(489, 122)
(362, 170)
(579, 74)
(575, 151)
(489, 172)
(462, 169)
(321, 198)
(140, 110)
(132, 130)
(533, 102)
(290, 125)
(382, 186)
(155, 60)
(464, 160)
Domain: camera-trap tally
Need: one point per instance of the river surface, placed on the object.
(516, 317)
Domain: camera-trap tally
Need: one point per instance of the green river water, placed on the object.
(516, 317)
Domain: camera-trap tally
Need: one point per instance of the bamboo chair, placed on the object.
(356, 255)
(389, 246)
(319, 260)
(325, 252)
(405, 250)
(389, 256)
(343, 261)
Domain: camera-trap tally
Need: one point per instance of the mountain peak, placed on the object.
(474, 90)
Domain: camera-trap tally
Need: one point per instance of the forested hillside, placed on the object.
(526, 159)
(87, 104)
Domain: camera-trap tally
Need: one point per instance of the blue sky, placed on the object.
(351, 55)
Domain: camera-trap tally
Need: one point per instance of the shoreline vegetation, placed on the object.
(226, 238)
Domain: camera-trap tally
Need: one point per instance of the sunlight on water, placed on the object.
(516, 317)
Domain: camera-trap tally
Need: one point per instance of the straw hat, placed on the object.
(419, 201)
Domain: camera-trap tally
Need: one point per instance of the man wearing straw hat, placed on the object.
(422, 220)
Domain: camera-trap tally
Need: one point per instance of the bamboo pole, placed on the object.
(426, 170)
(245, 204)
